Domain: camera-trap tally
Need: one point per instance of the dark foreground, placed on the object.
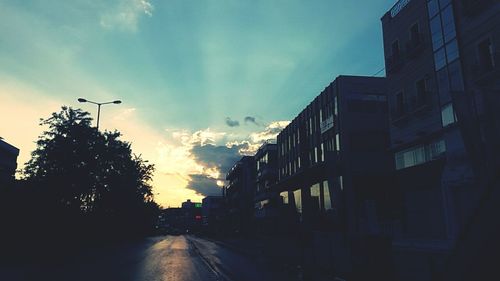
(174, 258)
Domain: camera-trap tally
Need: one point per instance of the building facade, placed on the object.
(267, 201)
(334, 167)
(442, 73)
(240, 192)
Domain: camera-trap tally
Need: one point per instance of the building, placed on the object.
(334, 167)
(267, 200)
(212, 211)
(240, 192)
(8, 162)
(443, 85)
(191, 213)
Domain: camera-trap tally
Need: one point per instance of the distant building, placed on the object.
(212, 211)
(240, 193)
(267, 200)
(442, 67)
(191, 212)
(8, 162)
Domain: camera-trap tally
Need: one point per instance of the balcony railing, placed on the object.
(415, 46)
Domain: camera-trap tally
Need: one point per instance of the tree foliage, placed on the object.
(90, 179)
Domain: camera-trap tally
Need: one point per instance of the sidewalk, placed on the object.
(282, 254)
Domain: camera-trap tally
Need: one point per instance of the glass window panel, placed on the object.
(326, 195)
(335, 105)
(298, 200)
(341, 182)
(448, 24)
(452, 51)
(443, 3)
(439, 59)
(337, 142)
(436, 33)
(315, 190)
(448, 115)
(284, 195)
(433, 8)
(456, 80)
(443, 84)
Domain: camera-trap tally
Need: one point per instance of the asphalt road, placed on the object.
(167, 258)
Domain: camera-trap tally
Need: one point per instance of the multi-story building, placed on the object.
(8, 162)
(267, 201)
(191, 212)
(442, 75)
(240, 192)
(334, 166)
(212, 211)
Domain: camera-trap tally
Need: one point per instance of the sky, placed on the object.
(202, 81)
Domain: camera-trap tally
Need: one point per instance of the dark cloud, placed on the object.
(232, 123)
(250, 119)
(204, 185)
(221, 156)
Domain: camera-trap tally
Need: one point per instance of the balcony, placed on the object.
(394, 63)
(415, 46)
(485, 74)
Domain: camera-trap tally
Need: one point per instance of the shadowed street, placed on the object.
(172, 258)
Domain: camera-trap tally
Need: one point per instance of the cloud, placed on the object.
(125, 15)
(250, 119)
(204, 185)
(232, 123)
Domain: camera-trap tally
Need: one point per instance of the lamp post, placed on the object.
(99, 106)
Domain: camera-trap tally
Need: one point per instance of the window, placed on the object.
(298, 200)
(455, 75)
(439, 59)
(400, 104)
(443, 3)
(419, 154)
(421, 92)
(436, 33)
(433, 8)
(284, 196)
(337, 142)
(341, 182)
(448, 115)
(322, 152)
(485, 54)
(326, 195)
(395, 49)
(451, 51)
(415, 34)
(335, 106)
(448, 24)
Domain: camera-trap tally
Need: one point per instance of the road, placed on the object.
(167, 258)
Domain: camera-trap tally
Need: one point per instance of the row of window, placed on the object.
(419, 154)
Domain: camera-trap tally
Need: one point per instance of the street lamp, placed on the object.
(99, 106)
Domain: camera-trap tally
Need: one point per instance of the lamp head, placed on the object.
(82, 100)
(117, 102)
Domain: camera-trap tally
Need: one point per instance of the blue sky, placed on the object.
(181, 68)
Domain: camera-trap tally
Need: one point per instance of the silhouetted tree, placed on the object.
(89, 182)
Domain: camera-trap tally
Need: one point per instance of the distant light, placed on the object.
(198, 217)
(82, 100)
(197, 205)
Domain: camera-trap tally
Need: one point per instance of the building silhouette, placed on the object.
(8, 162)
